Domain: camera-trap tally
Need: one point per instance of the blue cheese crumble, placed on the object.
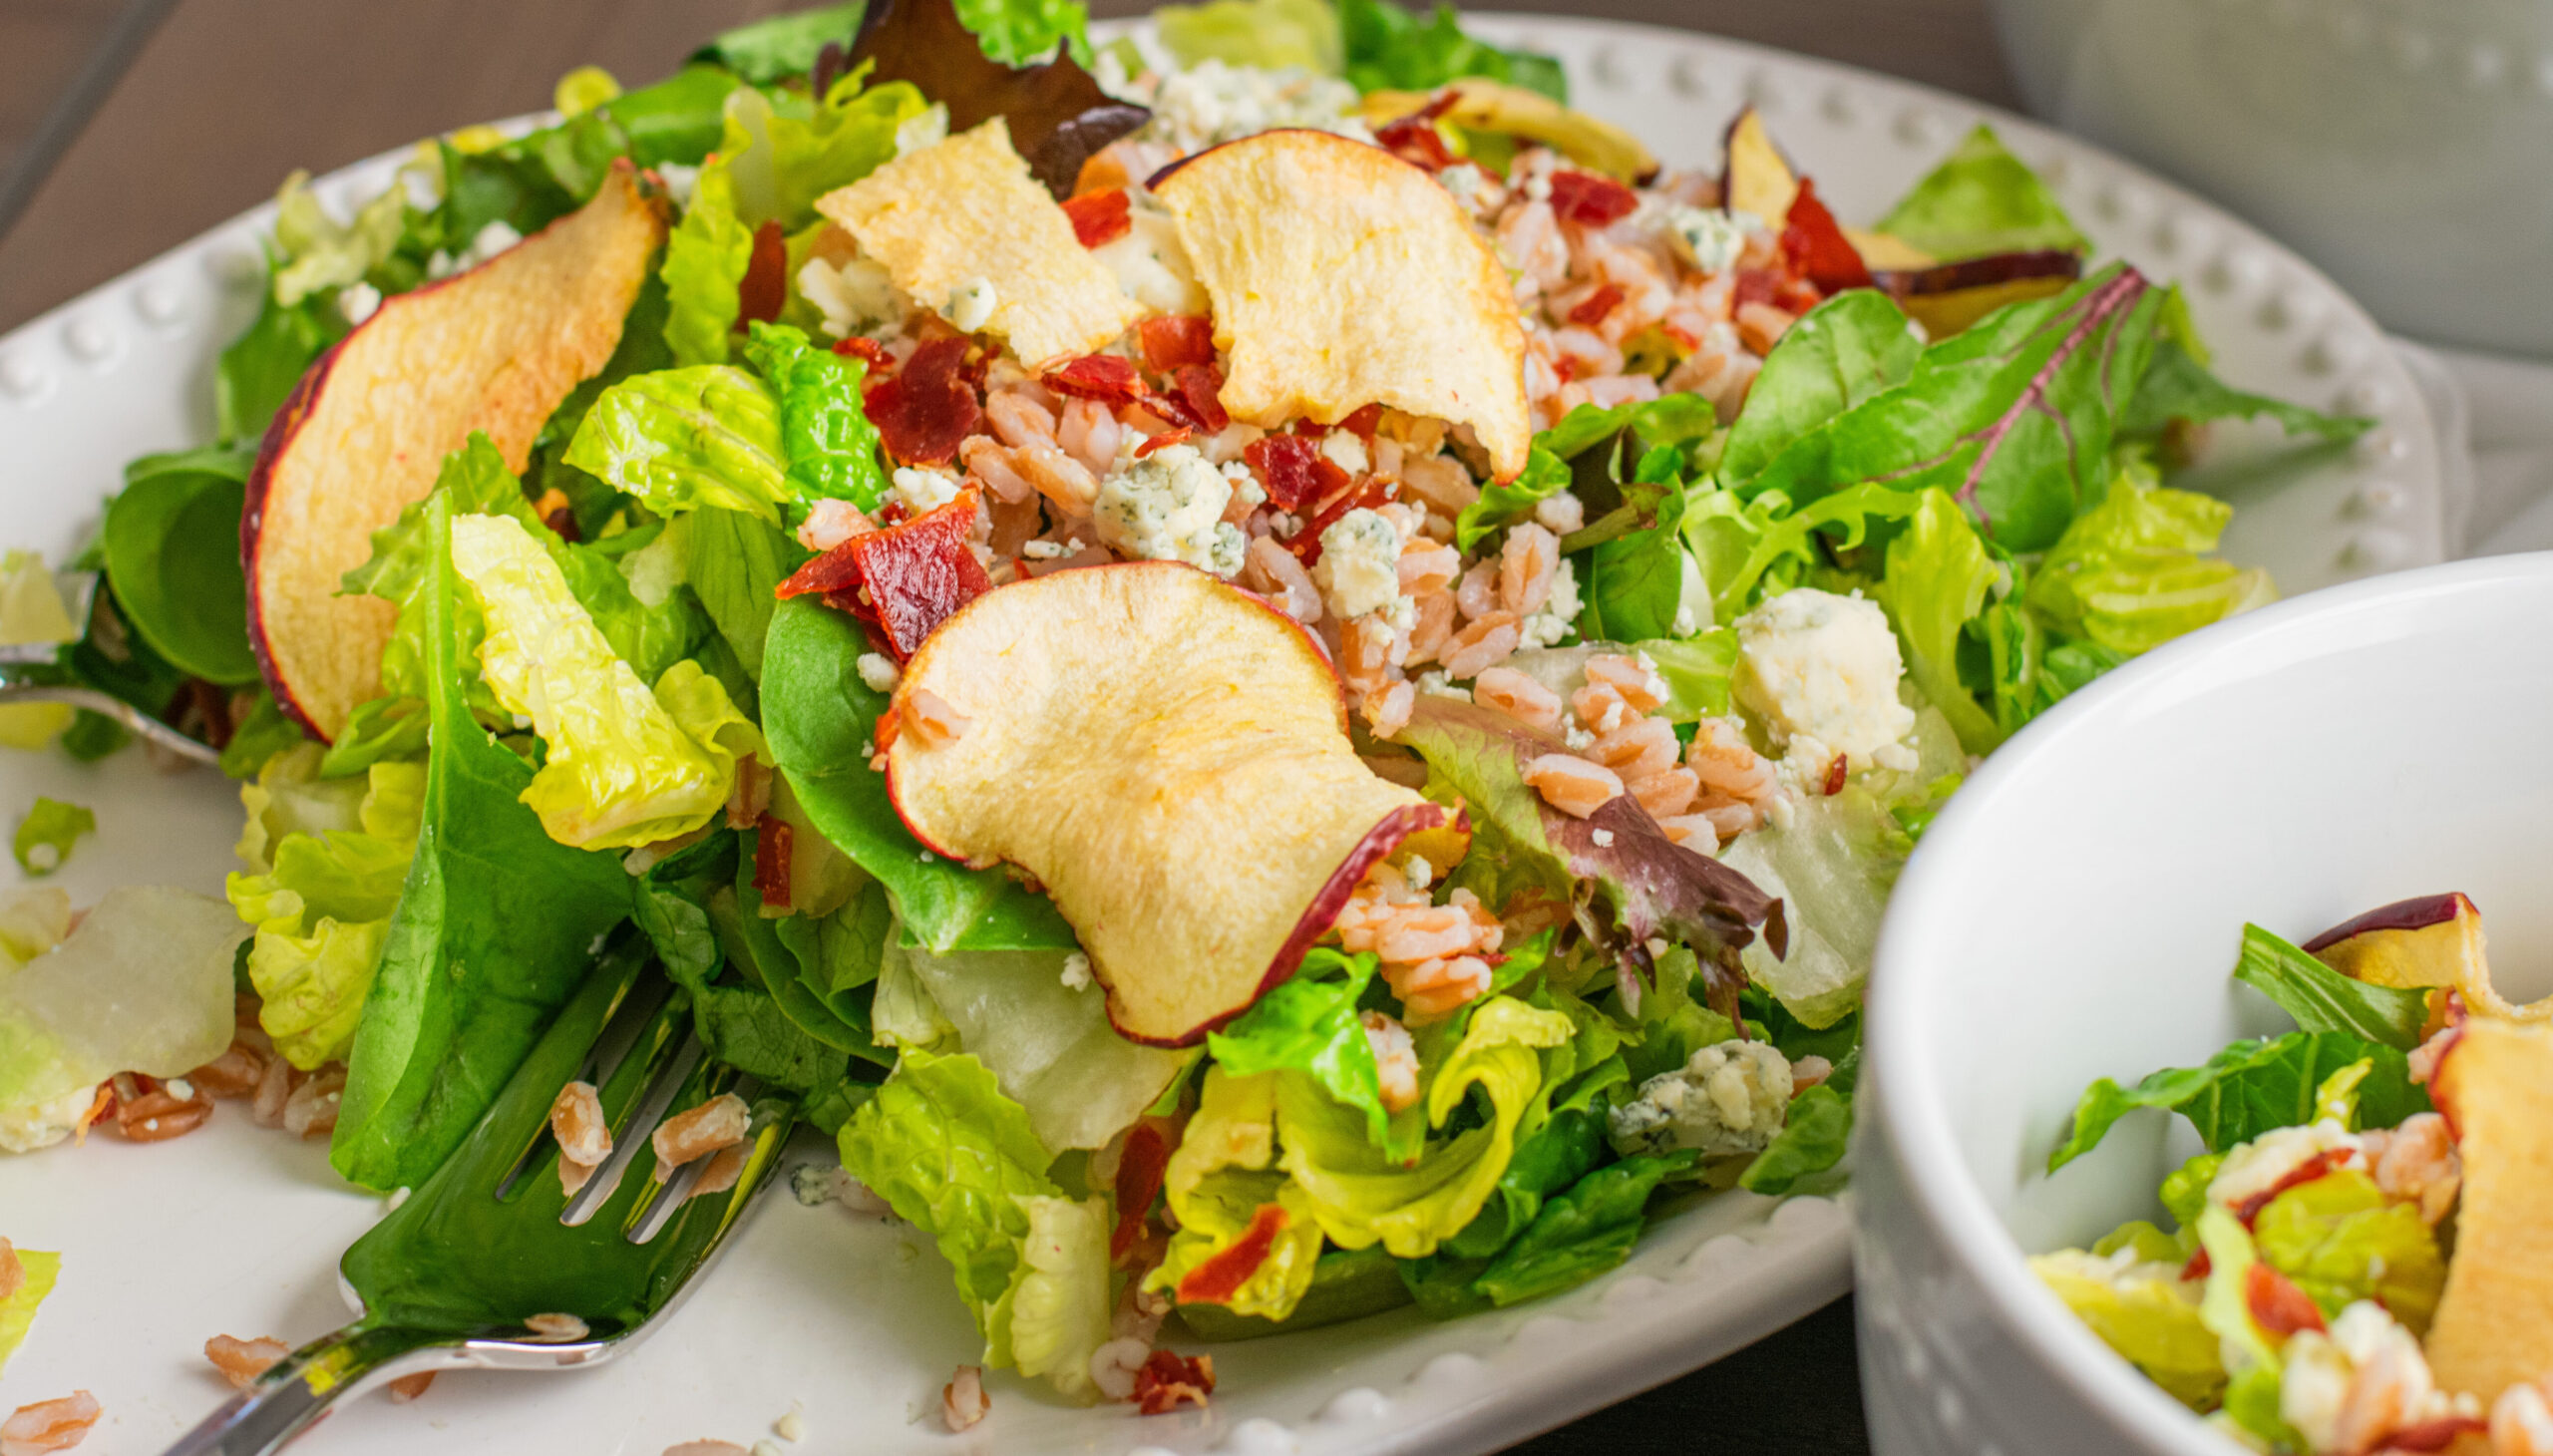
(1169, 507)
(1359, 568)
(971, 305)
(1817, 665)
(1213, 101)
(1557, 618)
(924, 491)
(1729, 1098)
(1711, 238)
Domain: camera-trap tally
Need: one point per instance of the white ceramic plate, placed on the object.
(235, 1229)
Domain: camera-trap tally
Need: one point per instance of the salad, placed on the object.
(2358, 1264)
(1271, 671)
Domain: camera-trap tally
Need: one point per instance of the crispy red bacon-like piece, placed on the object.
(929, 408)
(1100, 218)
(906, 579)
(1589, 199)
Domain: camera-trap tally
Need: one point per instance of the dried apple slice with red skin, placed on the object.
(1757, 178)
(2494, 1323)
(494, 349)
(1946, 298)
(1169, 756)
(2433, 940)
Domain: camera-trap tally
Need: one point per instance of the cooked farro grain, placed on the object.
(720, 1122)
(577, 1121)
(1570, 784)
(241, 1361)
(963, 1401)
(49, 1425)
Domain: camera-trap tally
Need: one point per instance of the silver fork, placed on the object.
(79, 593)
(451, 1277)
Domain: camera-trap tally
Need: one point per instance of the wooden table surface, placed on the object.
(130, 126)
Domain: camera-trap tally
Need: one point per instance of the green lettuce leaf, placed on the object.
(1048, 1044)
(1581, 1233)
(2342, 1240)
(46, 833)
(775, 49)
(488, 887)
(258, 370)
(18, 1312)
(1309, 1025)
(1055, 1315)
(2013, 417)
(322, 913)
(2322, 1000)
(624, 767)
(1221, 1180)
(2250, 1352)
(1814, 1134)
(2249, 1088)
(2178, 386)
(170, 540)
(1982, 200)
(824, 434)
(1840, 353)
(1938, 579)
(1359, 1196)
(2150, 1319)
(817, 713)
(1390, 49)
(2130, 573)
(955, 1159)
(706, 256)
(1017, 32)
(735, 561)
(1265, 33)
(683, 439)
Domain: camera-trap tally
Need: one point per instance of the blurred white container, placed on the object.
(2405, 146)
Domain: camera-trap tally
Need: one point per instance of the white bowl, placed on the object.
(2074, 915)
(2399, 145)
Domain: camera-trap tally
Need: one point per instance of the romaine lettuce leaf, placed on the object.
(1047, 1043)
(1309, 1025)
(1055, 1315)
(624, 767)
(2151, 1321)
(1359, 1196)
(1938, 579)
(781, 46)
(2130, 573)
(1981, 200)
(1264, 33)
(954, 1158)
(683, 439)
(2342, 1240)
(322, 912)
(2249, 1088)
(824, 434)
(1832, 866)
(321, 254)
(1582, 1232)
(2250, 1352)
(1814, 1136)
(1017, 32)
(706, 256)
(488, 887)
(1222, 1180)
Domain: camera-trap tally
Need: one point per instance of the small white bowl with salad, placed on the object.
(2195, 1117)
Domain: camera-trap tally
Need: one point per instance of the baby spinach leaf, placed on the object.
(496, 929)
(172, 545)
(821, 719)
(257, 372)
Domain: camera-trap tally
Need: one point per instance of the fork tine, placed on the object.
(670, 1069)
(637, 1007)
(658, 1208)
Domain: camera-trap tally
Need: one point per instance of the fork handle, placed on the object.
(283, 1402)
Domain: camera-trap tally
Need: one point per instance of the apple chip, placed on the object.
(1342, 276)
(2433, 941)
(1482, 104)
(494, 349)
(1170, 758)
(964, 228)
(1759, 181)
(2494, 1324)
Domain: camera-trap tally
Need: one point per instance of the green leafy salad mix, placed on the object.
(1215, 821)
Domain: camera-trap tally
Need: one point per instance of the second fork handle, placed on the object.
(281, 1403)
